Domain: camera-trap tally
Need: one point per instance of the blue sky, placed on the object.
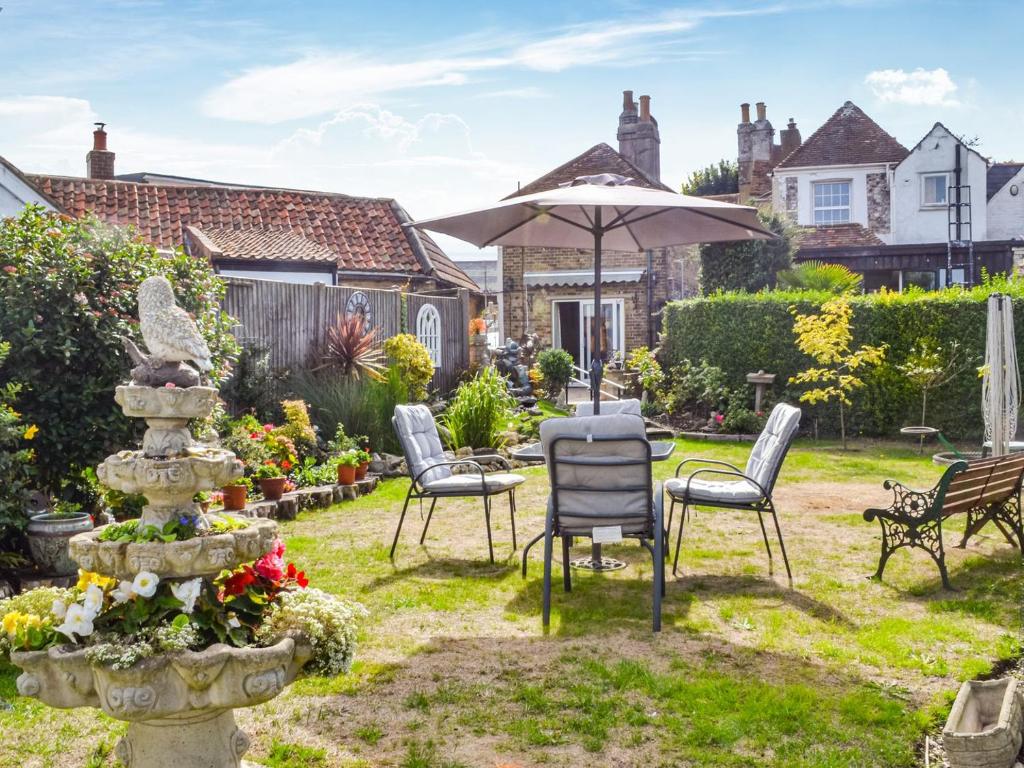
(447, 105)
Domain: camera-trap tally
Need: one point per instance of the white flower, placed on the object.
(58, 609)
(77, 621)
(93, 602)
(188, 592)
(233, 621)
(123, 593)
(145, 584)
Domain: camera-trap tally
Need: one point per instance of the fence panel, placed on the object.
(291, 320)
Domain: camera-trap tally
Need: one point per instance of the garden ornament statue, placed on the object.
(171, 336)
(178, 698)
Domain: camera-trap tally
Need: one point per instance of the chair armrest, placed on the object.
(706, 461)
(729, 473)
(908, 506)
(483, 482)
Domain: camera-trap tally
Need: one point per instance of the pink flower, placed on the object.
(271, 565)
(169, 385)
(10, 269)
(719, 417)
(268, 427)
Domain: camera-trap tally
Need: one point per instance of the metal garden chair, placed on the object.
(610, 407)
(725, 486)
(600, 472)
(430, 472)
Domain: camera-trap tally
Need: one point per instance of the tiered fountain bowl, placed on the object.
(179, 705)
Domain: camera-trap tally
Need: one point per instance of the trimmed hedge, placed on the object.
(741, 333)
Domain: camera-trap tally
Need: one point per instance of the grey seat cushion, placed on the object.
(469, 483)
(599, 493)
(421, 444)
(706, 489)
(610, 408)
(770, 449)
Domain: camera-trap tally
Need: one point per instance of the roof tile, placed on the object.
(849, 137)
(600, 158)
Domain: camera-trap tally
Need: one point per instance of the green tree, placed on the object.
(819, 276)
(825, 338)
(721, 178)
(747, 265)
(67, 297)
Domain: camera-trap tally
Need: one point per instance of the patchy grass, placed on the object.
(455, 670)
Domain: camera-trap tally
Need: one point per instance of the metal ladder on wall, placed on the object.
(960, 243)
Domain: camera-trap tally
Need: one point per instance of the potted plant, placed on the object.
(364, 464)
(348, 462)
(49, 533)
(235, 494)
(271, 479)
(203, 500)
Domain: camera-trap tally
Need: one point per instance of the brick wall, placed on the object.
(791, 198)
(531, 310)
(878, 202)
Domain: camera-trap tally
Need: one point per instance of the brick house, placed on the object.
(259, 232)
(549, 291)
(929, 216)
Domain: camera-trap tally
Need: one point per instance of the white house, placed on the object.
(16, 192)
(1005, 207)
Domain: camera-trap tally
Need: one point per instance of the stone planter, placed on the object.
(984, 726)
(234, 497)
(361, 470)
(346, 475)
(273, 487)
(48, 537)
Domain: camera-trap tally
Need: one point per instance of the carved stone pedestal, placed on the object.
(200, 740)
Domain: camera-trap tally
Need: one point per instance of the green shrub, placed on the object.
(696, 389)
(412, 360)
(747, 265)
(16, 465)
(298, 428)
(67, 296)
(556, 370)
(479, 412)
(741, 333)
(819, 276)
(253, 386)
(363, 406)
(644, 364)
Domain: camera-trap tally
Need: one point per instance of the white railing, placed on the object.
(583, 379)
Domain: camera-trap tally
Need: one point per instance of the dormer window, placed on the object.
(831, 203)
(934, 187)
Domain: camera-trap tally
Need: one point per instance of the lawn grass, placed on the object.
(454, 668)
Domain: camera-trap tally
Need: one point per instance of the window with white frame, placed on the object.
(832, 202)
(428, 331)
(934, 187)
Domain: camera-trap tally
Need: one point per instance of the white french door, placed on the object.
(613, 330)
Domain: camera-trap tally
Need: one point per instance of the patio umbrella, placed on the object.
(1000, 387)
(601, 212)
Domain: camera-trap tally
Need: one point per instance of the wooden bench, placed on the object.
(983, 491)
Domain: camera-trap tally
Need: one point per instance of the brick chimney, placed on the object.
(639, 139)
(99, 163)
(790, 138)
(757, 152)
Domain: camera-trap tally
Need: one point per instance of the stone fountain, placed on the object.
(179, 706)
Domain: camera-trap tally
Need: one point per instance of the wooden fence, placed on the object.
(291, 319)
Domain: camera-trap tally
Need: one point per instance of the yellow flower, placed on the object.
(10, 622)
(85, 578)
(31, 432)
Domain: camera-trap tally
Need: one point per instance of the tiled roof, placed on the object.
(849, 137)
(357, 233)
(600, 158)
(836, 236)
(256, 243)
(998, 175)
(727, 197)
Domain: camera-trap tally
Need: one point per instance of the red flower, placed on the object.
(254, 435)
(299, 577)
(236, 583)
(286, 465)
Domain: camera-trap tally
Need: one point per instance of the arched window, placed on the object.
(428, 331)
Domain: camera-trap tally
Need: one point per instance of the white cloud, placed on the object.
(323, 83)
(922, 87)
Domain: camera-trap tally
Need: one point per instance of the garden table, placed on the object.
(533, 454)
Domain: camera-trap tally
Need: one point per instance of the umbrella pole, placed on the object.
(597, 363)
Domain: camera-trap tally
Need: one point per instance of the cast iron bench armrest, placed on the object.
(736, 473)
(733, 467)
(908, 506)
(483, 481)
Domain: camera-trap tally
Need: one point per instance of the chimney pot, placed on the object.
(645, 109)
(99, 137)
(99, 162)
(745, 112)
(762, 111)
(627, 101)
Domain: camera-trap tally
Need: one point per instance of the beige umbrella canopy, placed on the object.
(601, 212)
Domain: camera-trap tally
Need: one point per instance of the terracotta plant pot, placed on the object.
(234, 497)
(204, 506)
(273, 487)
(346, 475)
(48, 537)
(362, 469)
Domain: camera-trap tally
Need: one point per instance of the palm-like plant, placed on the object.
(348, 348)
(819, 276)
